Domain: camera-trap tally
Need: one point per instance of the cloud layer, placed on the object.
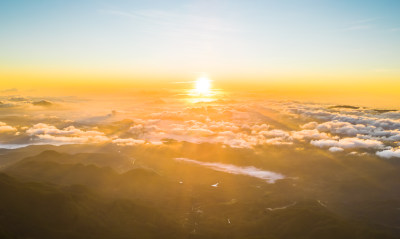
(238, 124)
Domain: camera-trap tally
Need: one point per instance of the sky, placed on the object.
(283, 44)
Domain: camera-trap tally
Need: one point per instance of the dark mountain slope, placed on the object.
(33, 210)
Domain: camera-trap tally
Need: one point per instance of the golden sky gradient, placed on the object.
(376, 89)
(329, 52)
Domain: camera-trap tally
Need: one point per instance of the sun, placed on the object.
(203, 85)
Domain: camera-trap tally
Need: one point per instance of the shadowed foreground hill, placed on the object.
(33, 210)
(76, 198)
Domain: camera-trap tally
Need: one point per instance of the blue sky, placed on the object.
(220, 37)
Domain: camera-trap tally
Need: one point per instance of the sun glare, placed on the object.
(203, 85)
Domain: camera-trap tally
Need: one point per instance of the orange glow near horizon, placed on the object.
(363, 90)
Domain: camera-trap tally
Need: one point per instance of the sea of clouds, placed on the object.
(236, 124)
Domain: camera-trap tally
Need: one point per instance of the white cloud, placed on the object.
(359, 130)
(128, 142)
(309, 134)
(142, 129)
(275, 133)
(389, 153)
(50, 134)
(45, 129)
(310, 125)
(199, 131)
(234, 142)
(346, 115)
(235, 134)
(335, 149)
(57, 140)
(348, 143)
(366, 120)
(261, 127)
(4, 128)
